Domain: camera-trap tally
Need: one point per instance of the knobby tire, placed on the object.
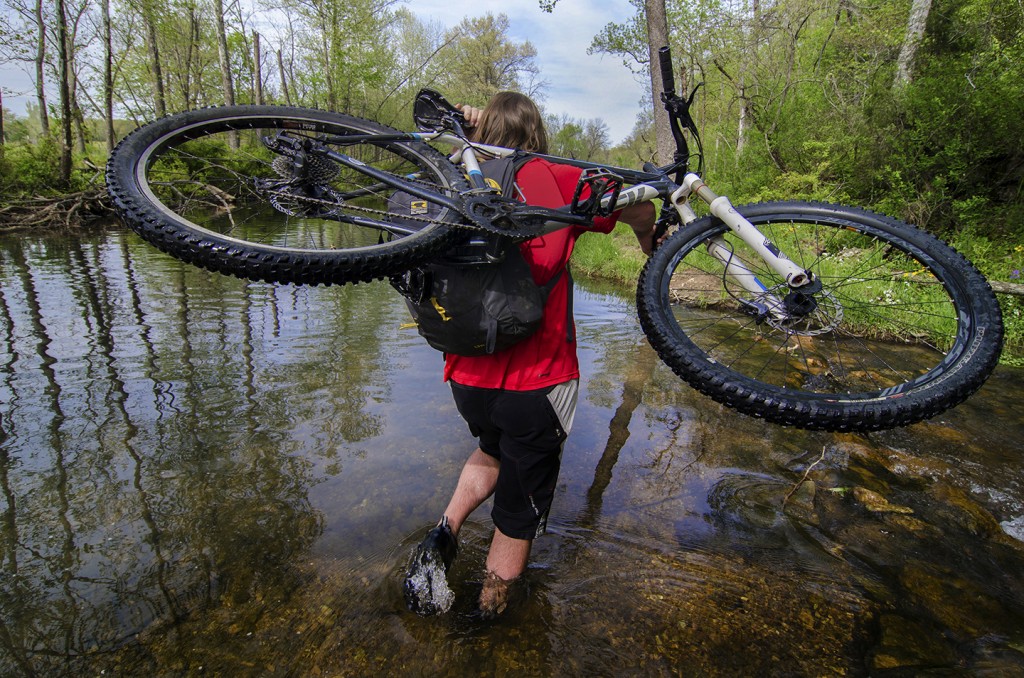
(193, 185)
(902, 329)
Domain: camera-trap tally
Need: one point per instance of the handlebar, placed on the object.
(668, 79)
(678, 109)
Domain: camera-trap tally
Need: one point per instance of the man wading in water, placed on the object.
(518, 402)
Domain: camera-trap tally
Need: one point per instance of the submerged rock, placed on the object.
(876, 503)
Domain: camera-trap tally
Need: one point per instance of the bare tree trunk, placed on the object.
(741, 132)
(916, 24)
(1, 120)
(657, 37)
(328, 65)
(222, 52)
(284, 79)
(65, 93)
(745, 67)
(44, 118)
(77, 116)
(159, 102)
(108, 76)
(190, 97)
(257, 68)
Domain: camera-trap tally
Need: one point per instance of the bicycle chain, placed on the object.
(484, 212)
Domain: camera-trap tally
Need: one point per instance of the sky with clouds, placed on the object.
(578, 85)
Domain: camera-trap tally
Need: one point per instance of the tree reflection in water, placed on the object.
(149, 460)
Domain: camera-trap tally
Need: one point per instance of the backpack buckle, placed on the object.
(600, 181)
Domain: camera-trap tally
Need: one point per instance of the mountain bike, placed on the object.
(807, 314)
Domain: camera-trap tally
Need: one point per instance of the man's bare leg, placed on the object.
(506, 560)
(476, 483)
(507, 556)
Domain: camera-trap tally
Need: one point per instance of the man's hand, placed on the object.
(640, 218)
(471, 113)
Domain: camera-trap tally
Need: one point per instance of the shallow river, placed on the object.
(205, 475)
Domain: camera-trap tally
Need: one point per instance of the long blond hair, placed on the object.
(512, 120)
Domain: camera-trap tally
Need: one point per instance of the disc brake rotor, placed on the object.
(826, 316)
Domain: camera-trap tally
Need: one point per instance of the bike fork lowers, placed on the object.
(795, 276)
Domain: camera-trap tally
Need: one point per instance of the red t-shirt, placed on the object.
(547, 357)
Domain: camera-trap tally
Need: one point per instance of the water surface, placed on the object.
(206, 475)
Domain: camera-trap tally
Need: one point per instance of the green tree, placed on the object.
(954, 146)
(580, 139)
(418, 61)
(342, 61)
(481, 61)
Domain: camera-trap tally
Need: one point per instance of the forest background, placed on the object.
(910, 107)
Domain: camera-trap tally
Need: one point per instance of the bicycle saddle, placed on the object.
(433, 113)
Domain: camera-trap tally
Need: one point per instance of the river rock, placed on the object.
(876, 503)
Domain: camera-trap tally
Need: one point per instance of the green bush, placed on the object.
(30, 167)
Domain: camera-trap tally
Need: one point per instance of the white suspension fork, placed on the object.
(719, 248)
(723, 209)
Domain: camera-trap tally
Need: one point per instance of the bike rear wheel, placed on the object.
(902, 328)
(249, 191)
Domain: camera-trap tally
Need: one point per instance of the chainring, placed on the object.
(504, 216)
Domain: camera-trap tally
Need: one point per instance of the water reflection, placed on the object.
(204, 474)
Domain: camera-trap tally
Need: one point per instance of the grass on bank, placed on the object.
(617, 258)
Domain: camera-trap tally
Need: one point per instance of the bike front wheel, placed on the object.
(258, 192)
(900, 328)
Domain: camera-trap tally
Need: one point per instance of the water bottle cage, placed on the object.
(600, 181)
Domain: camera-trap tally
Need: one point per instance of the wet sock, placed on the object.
(494, 595)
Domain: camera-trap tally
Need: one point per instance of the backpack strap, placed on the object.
(502, 171)
(570, 326)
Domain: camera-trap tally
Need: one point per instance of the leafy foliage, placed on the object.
(798, 97)
(799, 100)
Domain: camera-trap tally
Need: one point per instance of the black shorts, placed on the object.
(522, 430)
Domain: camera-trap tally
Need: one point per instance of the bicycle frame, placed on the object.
(720, 304)
(646, 187)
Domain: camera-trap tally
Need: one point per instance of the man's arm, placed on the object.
(471, 113)
(640, 218)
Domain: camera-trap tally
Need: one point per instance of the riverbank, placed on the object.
(71, 211)
(32, 199)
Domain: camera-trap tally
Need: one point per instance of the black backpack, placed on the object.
(480, 296)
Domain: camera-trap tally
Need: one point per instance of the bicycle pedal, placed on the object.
(599, 181)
